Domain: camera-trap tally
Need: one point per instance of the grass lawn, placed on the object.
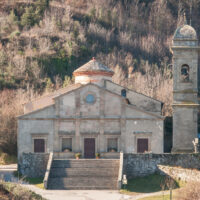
(147, 184)
(175, 196)
(161, 197)
(38, 182)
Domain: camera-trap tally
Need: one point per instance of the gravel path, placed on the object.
(79, 194)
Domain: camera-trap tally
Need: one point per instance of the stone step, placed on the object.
(89, 172)
(84, 174)
(54, 187)
(85, 163)
(82, 183)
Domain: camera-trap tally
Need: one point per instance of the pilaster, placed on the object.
(77, 122)
(123, 137)
(101, 145)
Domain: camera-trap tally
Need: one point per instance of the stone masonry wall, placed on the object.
(145, 164)
(178, 173)
(33, 165)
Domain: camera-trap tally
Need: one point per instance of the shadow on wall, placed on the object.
(168, 134)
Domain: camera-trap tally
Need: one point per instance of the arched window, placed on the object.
(123, 93)
(185, 73)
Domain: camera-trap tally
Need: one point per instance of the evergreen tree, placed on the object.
(49, 85)
(13, 18)
(67, 81)
(28, 18)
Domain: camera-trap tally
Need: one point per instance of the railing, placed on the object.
(120, 174)
(46, 177)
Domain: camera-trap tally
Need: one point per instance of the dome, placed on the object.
(92, 72)
(185, 32)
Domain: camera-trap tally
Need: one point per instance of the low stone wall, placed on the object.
(145, 164)
(33, 165)
(178, 173)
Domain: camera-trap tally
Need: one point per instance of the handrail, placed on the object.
(46, 177)
(120, 174)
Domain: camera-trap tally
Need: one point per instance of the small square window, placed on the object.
(66, 144)
(112, 145)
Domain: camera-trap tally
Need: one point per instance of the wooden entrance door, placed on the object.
(142, 145)
(89, 147)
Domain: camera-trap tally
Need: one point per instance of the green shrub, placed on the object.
(6, 159)
(13, 18)
(49, 85)
(15, 34)
(28, 18)
(19, 192)
(67, 81)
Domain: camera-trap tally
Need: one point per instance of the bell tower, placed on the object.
(185, 88)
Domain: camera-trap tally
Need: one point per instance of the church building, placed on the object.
(95, 115)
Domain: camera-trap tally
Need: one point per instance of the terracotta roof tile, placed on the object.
(93, 65)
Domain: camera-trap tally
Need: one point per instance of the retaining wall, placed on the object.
(33, 165)
(145, 164)
(178, 173)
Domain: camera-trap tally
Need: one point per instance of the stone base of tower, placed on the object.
(185, 128)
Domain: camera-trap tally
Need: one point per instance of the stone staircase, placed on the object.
(85, 174)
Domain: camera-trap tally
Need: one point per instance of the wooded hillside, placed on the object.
(43, 41)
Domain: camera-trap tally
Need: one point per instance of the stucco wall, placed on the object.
(189, 57)
(89, 126)
(67, 126)
(145, 164)
(112, 105)
(135, 98)
(67, 105)
(185, 127)
(109, 116)
(151, 129)
(112, 126)
(30, 129)
(48, 112)
(90, 109)
(98, 79)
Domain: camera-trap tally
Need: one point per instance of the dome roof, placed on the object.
(94, 67)
(185, 32)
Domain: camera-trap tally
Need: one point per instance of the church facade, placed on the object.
(92, 116)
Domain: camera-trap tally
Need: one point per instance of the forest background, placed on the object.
(43, 41)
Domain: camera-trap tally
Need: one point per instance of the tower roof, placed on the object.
(93, 66)
(185, 32)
